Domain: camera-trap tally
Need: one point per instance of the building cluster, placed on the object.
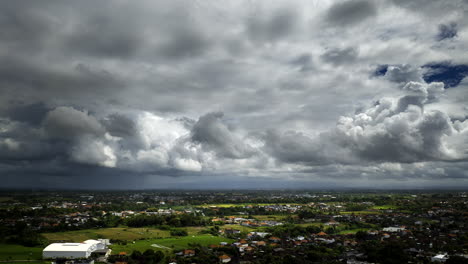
(244, 221)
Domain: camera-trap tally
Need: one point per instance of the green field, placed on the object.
(360, 212)
(31, 262)
(5, 199)
(122, 233)
(352, 231)
(312, 224)
(245, 229)
(272, 217)
(384, 207)
(169, 243)
(17, 252)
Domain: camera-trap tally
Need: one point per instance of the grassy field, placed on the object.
(245, 229)
(360, 212)
(271, 217)
(352, 231)
(384, 207)
(5, 199)
(122, 233)
(30, 262)
(312, 224)
(166, 244)
(13, 252)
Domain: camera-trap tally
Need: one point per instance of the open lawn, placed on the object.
(272, 217)
(245, 229)
(28, 262)
(166, 244)
(384, 207)
(17, 252)
(312, 224)
(360, 212)
(352, 231)
(122, 233)
(5, 199)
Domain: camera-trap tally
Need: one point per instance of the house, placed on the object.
(261, 243)
(257, 234)
(275, 239)
(393, 229)
(441, 258)
(189, 253)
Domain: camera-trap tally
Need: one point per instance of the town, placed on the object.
(352, 227)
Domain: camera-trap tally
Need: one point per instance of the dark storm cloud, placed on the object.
(105, 36)
(24, 26)
(212, 133)
(31, 113)
(272, 27)
(433, 8)
(351, 12)
(22, 142)
(339, 56)
(120, 126)
(304, 62)
(295, 147)
(18, 74)
(446, 31)
(185, 42)
(67, 122)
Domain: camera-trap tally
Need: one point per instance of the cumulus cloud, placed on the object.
(67, 122)
(214, 135)
(403, 73)
(392, 130)
(94, 152)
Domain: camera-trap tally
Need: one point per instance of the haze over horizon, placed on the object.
(234, 94)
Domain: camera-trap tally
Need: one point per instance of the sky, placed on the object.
(217, 94)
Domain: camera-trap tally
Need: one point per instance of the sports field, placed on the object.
(172, 243)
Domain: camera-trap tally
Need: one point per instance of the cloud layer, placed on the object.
(331, 92)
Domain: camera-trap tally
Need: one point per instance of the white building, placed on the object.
(393, 229)
(72, 250)
(439, 258)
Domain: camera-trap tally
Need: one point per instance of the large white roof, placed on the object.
(67, 250)
(68, 247)
(85, 246)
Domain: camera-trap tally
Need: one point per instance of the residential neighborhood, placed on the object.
(238, 227)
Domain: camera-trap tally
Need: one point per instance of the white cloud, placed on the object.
(94, 152)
